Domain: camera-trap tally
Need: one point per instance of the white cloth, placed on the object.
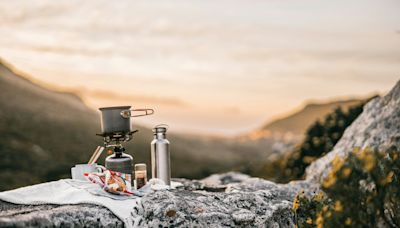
(67, 191)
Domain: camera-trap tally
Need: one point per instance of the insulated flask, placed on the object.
(160, 161)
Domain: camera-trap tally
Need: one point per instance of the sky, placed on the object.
(221, 67)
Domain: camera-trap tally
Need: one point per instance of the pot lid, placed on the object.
(115, 107)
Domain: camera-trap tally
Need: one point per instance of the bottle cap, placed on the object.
(140, 167)
(161, 128)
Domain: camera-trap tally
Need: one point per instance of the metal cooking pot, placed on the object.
(118, 119)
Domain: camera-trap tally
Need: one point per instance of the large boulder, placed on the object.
(377, 127)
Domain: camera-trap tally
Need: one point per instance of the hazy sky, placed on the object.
(220, 67)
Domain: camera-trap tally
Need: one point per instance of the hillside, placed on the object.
(43, 132)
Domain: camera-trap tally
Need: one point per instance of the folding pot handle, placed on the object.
(128, 113)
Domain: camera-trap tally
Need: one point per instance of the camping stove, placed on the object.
(118, 161)
(116, 128)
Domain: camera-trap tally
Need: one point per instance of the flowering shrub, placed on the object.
(362, 190)
(306, 208)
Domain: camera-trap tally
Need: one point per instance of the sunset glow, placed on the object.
(215, 67)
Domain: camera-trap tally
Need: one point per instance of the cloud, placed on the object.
(109, 95)
(232, 110)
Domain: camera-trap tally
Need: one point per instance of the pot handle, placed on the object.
(128, 113)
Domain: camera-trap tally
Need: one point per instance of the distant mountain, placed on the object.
(44, 133)
(293, 126)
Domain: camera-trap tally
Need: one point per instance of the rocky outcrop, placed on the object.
(224, 200)
(378, 126)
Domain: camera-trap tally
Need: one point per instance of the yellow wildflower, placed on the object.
(361, 153)
(338, 206)
(309, 221)
(318, 197)
(356, 150)
(296, 204)
(348, 221)
(368, 159)
(337, 163)
(369, 162)
(320, 220)
(346, 172)
(388, 178)
(330, 180)
(296, 201)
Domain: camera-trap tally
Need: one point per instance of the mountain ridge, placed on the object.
(292, 126)
(19, 77)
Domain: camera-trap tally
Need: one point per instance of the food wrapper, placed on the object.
(113, 182)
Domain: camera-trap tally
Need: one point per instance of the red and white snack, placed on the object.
(112, 182)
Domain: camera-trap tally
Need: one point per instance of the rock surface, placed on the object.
(224, 200)
(83, 215)
(378, 126)
(246, 201)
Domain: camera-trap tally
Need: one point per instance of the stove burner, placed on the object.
(117, 137)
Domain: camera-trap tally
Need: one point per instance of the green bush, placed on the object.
(362, 190)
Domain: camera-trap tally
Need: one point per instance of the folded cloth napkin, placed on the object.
(67, 191)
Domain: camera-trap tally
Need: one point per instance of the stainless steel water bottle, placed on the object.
(160, 161)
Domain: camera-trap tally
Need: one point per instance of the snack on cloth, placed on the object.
(112, 182)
